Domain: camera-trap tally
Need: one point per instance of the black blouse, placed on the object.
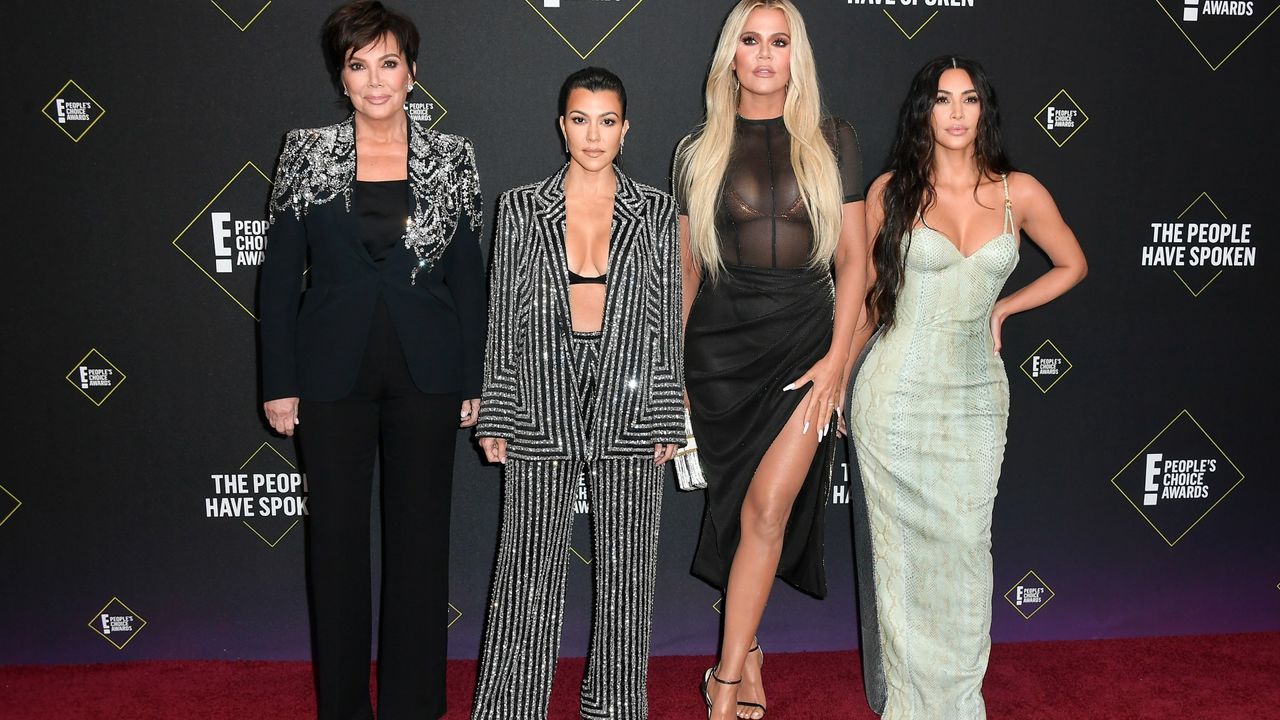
(382, 208)
(762, 220)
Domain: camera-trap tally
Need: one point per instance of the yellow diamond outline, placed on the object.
(233, 20)
(574, 550)
(1200, 52)
(246, 166)
(1217, 275)
(716, 605)
(287, 530)
(76, 385)
(1034, 574)
(573, 47)
(1079, 109)
(88, 127)
(1070, 365)
(5, 519)
(94, 627)
(1140, 453)
(456, 619)
(911, 36)
(436, 101)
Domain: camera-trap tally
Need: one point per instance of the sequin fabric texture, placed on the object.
(318, 165)
(530, 393)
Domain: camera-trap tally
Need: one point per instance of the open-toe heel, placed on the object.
(707, 677)
(751, 706)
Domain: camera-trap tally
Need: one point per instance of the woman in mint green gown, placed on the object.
(931, 400)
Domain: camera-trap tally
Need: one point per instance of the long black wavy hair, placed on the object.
(910, 189)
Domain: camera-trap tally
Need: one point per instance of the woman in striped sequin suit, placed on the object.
(583, 374)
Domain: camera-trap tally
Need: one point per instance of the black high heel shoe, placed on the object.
(750, 705)
(707, 677)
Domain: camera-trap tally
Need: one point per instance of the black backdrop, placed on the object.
(139, 139)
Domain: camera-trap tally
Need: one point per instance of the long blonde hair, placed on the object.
(704, 159)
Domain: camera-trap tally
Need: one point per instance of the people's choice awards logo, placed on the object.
(1216, 29)
(241, 13)
(1178, 478)
(1029, 595)
(911, 16)
(9, 504)
(117, 623)
(1200, 244)
(1061, 118)
(1046, 366)
(95, 377)
(73, 111)
(227, 239)
(425, 108)
(266, 493)
(584, 25)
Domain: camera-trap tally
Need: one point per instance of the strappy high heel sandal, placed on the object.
(752, 707)
(707, 677)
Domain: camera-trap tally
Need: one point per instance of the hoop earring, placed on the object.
(737, 85)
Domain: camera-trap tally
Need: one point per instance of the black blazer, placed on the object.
(530, 396)
(432, 283)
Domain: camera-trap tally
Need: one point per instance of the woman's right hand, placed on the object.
(282, 413)
(495, 449)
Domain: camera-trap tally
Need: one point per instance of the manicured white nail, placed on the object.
(805, 431)
(792, 386)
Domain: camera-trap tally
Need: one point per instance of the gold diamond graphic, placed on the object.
(1212, 65)
(243, 26)
(61, 126)
(579, 555)
(264, 538)
(716, 605)
(1074, 105)
(1218, 210)
(93, 352)
(583, 55)
(454, 615)
(199, 215)
(1039, 606)
(910, 35)
(96, 625)
(417, 108)
(1143, 513)
(1030, 374)
(16, 504)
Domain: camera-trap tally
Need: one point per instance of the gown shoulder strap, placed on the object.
(1008, 205)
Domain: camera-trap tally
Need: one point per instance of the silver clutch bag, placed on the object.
(688, 470)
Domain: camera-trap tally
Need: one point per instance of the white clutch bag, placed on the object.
(688, 470)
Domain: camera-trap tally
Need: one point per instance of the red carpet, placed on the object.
(1223, 677)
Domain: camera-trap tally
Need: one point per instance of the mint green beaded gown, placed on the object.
(929, 411)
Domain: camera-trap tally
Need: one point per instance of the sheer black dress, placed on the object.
(761, 324)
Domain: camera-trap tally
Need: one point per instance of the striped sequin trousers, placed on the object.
(526, 609)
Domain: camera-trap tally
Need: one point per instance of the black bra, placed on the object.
(576, 279)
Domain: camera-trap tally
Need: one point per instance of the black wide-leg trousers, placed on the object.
(338, 441)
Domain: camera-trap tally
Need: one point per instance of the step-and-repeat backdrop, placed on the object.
(147, 512)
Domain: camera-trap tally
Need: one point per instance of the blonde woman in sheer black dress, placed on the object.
(771, 202)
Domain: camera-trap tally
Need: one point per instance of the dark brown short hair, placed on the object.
(359, 23)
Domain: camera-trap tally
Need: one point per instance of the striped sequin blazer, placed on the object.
(529, 396)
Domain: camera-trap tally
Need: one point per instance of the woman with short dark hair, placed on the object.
(583, 376)
(385, 348)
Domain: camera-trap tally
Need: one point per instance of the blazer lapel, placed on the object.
(627, 231)
(550, 218)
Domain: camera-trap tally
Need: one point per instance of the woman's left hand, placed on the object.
(827, 376)
(470, 413)
(663, 452)
(998, 314)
